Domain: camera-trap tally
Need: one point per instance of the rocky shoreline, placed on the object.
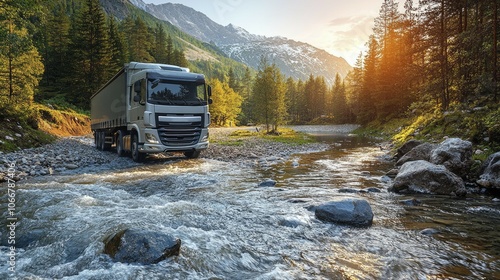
(78, 154)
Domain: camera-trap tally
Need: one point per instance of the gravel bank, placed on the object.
(78, 154)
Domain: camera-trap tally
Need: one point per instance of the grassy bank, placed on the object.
(38, 125)
(284, 135)
(480, 125)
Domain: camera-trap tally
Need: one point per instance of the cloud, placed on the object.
(347, 36)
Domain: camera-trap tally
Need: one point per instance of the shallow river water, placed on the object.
(232, 229)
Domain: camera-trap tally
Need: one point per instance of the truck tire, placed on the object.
(97, 140)
(136, 155)
(192, 154)
(119, 144)
(104, 146)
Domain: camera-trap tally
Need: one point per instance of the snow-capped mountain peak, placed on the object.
(295, 59)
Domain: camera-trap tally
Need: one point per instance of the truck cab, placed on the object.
(166, 110)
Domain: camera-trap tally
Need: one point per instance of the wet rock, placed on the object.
(408, 146)
(290, 222)
(455, 154)
(348, 190)
(140, 246)
(491, 174)
(267, 183)
(373, 190)
(392, 173)
(411, 202)
(424, 177)
(299, 200)
(429, 231)
(353, 212)
(420, 152)
(71, 166)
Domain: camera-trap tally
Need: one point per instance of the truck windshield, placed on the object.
(176, 92)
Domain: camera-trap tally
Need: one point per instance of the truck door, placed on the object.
(138, 102)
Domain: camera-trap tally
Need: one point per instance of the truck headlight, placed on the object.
(150, 138)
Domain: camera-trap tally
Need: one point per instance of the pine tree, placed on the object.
(56, 48)
(160, 45)
(91, 53)
(20, 63)
(367, 109)
(247, 115)
(339, 104)
(138, 39)
(179, 59)
(119, 54)
(269, 96)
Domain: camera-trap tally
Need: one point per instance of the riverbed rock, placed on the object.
(408, 146)
(455, 154)
(420, 152)
(267, 183)
(424, 177)
(491, 174)
(141, 246)
(353, 212)
(429, 231)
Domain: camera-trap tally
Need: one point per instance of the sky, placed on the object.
(341, 27)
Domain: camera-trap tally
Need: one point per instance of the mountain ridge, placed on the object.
(295, 59)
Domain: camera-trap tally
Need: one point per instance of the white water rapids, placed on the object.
(232, 229)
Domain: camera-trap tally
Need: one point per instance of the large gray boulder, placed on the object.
(420, 152)
(455, 154)
(491, 174)
(353, 212)
(421, 176)
(140, 246)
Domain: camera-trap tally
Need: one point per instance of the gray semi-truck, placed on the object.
(152, 108)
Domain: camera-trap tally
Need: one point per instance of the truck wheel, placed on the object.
(119, 144)
(97, 140)
(104, 146)
(192, 154)
(136, 155)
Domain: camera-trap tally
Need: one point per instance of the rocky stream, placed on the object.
(259, 210)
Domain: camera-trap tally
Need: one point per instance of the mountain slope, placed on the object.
(295, 59)
(203, 57)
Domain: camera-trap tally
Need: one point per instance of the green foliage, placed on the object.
(282, 135)
(226, 104)
(268, 96)
(20, 62)
(289, 136)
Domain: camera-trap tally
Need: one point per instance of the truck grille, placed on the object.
(180, 133)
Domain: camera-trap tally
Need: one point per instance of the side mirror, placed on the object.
(210, 101)
(209, 89)
(137, 98)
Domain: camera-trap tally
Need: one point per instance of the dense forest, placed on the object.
(426, 56)
(62, 51)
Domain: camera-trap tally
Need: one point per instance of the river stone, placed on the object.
(420, 152)
(353, 212)
(141, 246)
(408, 146)
(268, 183)
(491, 174)
(455, 154)
(424, 177)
